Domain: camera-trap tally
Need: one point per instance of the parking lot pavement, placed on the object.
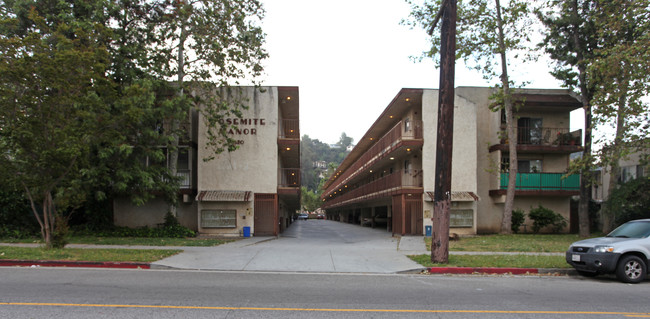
(306, 246)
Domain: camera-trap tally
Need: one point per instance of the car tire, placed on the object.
(587, 273)
(631, 269)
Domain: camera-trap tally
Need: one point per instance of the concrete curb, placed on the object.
(80, 264)
(427, 270)
(491, 271)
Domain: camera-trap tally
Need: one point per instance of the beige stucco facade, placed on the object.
(230, 191)
(477, 194)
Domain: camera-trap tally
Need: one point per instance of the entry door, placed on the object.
(266, 214)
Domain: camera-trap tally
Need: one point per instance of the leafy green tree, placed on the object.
(201, 43)
(487, 33)
(600, 48)
(631, 200)
(621, 72)
(51, 77)
(310, 200)
(570, 40)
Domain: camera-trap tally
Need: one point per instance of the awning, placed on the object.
(457, 196)
(224, 196)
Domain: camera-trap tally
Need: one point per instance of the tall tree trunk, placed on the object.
(608, 216)
(175, 124)
(586, 96)
(442, 184)
(506, 220)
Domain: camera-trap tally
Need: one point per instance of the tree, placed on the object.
(621, 74)
(570, 40)
(487, 33)
(51, 77)
(310, 200)
(345, 141)
(200, 43)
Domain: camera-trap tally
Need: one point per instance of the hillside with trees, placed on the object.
(318, 161)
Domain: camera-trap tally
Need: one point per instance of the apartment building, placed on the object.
(252, 191)
(387, 180)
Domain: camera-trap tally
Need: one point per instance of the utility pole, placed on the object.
(444, 146)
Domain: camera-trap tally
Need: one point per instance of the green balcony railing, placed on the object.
(543, 181)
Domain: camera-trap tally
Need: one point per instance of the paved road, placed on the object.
(107, 293)
(308, 246)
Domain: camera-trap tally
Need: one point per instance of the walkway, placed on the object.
(308, 246)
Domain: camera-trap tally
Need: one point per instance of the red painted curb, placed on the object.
(482, 270)
(61, 263)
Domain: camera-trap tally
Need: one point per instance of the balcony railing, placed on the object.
(289, 177)
(381, 187)
(382, 148)
(289, 128)
(547, 136)
(543, 181)
(185, 178)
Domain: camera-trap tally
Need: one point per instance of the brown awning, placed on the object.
(457, 196)
(224, 196)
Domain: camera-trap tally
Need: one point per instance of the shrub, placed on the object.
(630, 200)
(61, 230)
(517, 219)
(543, 217)
(16, 216)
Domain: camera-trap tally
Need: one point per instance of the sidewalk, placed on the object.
(307, 246)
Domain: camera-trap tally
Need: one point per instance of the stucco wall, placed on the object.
(252, 167)
(152, 214)
(465, 151)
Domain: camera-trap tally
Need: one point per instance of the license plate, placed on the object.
(575, 258)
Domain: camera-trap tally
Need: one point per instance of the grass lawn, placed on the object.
(515, 261)
(76, 254)
(131, 241)
(513, 243)
(524, 243)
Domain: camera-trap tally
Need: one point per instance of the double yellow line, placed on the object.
(53, 304)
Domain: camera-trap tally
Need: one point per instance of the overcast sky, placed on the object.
(350, 58)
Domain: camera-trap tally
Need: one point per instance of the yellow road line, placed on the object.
(629, 314)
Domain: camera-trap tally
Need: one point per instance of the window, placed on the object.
(219, 218)
(529, 130)
(183, 159)
(529, 166)
(407, 124)
(407, 166)
(461, 218)
(628, 173)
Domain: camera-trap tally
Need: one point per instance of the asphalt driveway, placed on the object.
(308, 246)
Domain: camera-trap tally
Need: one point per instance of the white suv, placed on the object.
(625, 252)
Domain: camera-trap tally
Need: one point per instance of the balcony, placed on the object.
(544, 184)
(543, 140)
(289, 129)
(185, 177)
(401, 135)
(399, 181)
(289, 177)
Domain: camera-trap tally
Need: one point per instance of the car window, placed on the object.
(637, 229)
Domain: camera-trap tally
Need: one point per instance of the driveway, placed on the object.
(308, 246)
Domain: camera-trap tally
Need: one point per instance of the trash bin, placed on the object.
(247, 231)
(427, 230)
